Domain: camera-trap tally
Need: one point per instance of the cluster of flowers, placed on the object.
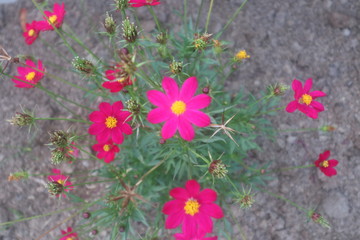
(51, 20)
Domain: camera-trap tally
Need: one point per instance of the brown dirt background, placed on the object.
(286, 40)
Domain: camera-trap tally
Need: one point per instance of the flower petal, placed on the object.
(188, 89)
(117, 107)
(173, 207)
(316, 94)
(207, 195)
(212, 210)
(158, 98)
(117, 135)
(307, 85)
(174, 220)
(179, 193)
(198, 118)
(109, 157)
(310, 112)
(96, 128)
(297, 87)
(170, 127)
(333, 163)
(329, 171)
(198, 102)
(103, 136)
(126, 128)
(318, 106)
(193, 188)
(292, 106)
(97, 116)
(190, 224)
(158, 115)
(186, 130)
(106, 108)
(171, 88)
(204, 222)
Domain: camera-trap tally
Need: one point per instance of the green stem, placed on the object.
(85, 183)
(199, 13)
(90, 154)
(298, 130)
(231, 19)
(155, 18)
(185, 16)
(273, 110)
(66, 119)
(209, 15)
(281, 170)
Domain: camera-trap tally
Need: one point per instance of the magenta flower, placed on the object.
(106, 150)
(140, 3)
(31, 74)
(110, 123)
(192, 208)
(32, 32)
(199, 235)
(118, 79)
(69, 235)
(54, 19)
(63, 180)
(179, 109)
(326, 166)
(304, 99)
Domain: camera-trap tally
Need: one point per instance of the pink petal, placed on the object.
(310, 112)
(188, 89)
(101, 154)
(106, 108)
(329, 171)
(97, 116)
(190, 224)
(126, 128)
(56, 171)
(103, 136)
(297, 87)
(124, 116)
(96, 128)
(157, 98)
(292, 106)
(179, 193)
(193, 188)
(173, 207)
(97, 147)
(117, 107)
(307, 85)
(333, 163)
(198, 118)
(174, 220)
(186, 130)
(207, 196)
(110, 74)
(158, 115)
(212, 210)
(316, 94)
(204, 222)
(169, 128)
(171, 88)
(115, 149)
(117, 135)
(318, 106)
(198, 102)
(109, 157)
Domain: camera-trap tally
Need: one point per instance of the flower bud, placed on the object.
(129, 31)
(176, 67)
(277, 89)
(317, 218)
(162, 141)
(86, 215)
(162, 38)
(133, 106)
(328, 128)
(94, 232)
(83, 65)
(121, 4)
(22, 119)
(206, 90)
(18, 176)
(218, 169)
(60, 138)
(246, 199)
(110, 24)
(58, 155)
(55, 188)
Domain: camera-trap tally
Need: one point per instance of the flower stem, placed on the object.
(66, 119)
(298, 130)
(281, 170)
(198, 15)
(85, 183)
(209, 16)
(273, 110)
(155, 18)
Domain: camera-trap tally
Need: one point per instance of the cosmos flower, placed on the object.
(326, 166)
(59, 182)
(118, 79)
(53, 19)
(140, 3)
(192, 208)
(31, 74)
(305, 100)
(69, 235)
(179, 109)
(110, 123)
(32, 32)
(106, 150)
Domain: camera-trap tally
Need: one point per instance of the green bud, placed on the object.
(245, 199)
(176, 67)
(133, 106)
(60, 138)
(218, 169)
(22, 119)
(55, 188)
(110, 24)
(317, 218)
(58, 155)
(83, 65)
(121, 4)
(129, 31)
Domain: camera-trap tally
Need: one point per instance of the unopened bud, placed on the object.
(162, 141)
(241, 55)
(18, 176)
(162, 38)
(110, 24)
(60, 138)
(245, 199)
(133, 106)
(328, 128)
(277, 89)
(94, 232)
(206, 90)
(121, 4)
(86, 215)
(129, 31)
(83, 65)
(218, 169)
(58, 155)
(317, 218)
(55, 188)
(176, 67)
(22, 119)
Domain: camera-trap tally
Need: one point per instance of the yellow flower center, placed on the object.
(30, 76)
(325, 164)
(191, 207)
(53, 19)
(61, 181)
(31, 32)
(70, 238)
(149, 1)
(178, 107)
(106, 147)
(306, 98)
(110, 122)
(242, 55)
(121, 80)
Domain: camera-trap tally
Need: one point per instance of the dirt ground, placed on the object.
(300, 39)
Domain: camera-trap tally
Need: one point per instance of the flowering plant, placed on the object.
(160, 98)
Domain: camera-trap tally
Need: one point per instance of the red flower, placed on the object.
(70, 236)
(110, 123)
(106, 150)
(326, 166)
(178, 108)
(63, 180)
(54, 19)
(304, 99)
(193, 208)
(199, 235)
(73, 151)
(32, 32)
(31, 74)
(118, 79)
(140, 3)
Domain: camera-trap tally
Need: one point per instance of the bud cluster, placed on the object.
(133, 106)
(176, 67)
(121, 4)
(110, 24)
(83, 65)
(218, 169)
(61, 140)
(201, 41)
(18, 176)
(130, 32)
(55, 188)
(22, 119)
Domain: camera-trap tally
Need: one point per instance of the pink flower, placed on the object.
(106, 150)
(199, 235)
(304, 99)
(31, 74)
(110, 123)
(178, 108)
(118, 79)
(32, 32)
(54, 19)
(192, 208)
(73, 151)
(63, 180)
(326, 166)
(69, 235)
(140, 3)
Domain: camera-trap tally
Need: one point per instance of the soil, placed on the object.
(301, 39)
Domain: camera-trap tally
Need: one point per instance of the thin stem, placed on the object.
(281, 170)
(198, 15)
(273, 110)
(185, 15)
(66, 119)
(209, 15)
(85, 183)
(155, 18)
(298, 130)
